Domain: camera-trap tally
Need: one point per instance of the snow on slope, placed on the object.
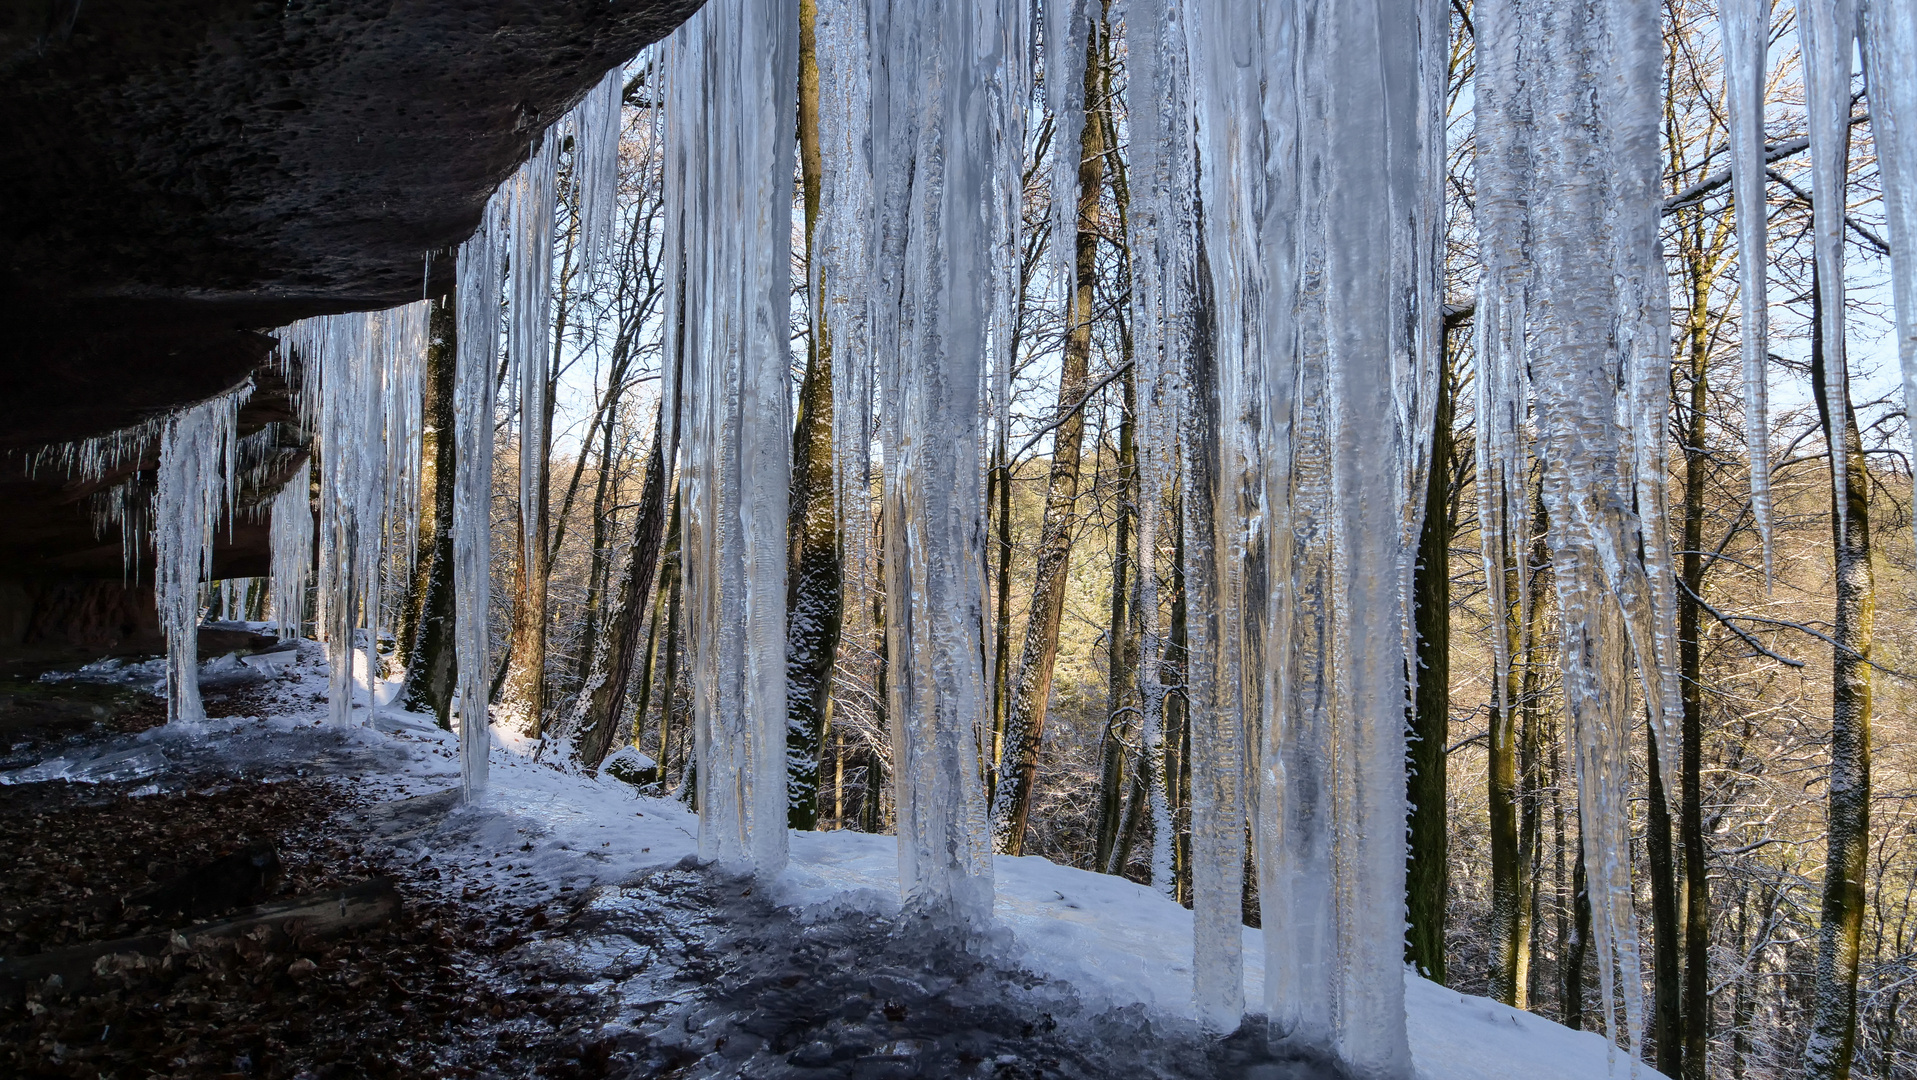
(541, 830)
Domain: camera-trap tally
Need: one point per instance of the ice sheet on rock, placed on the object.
(731, 96)
(131, 764)
(195, 491)
(1745, 26)
(1890, 55)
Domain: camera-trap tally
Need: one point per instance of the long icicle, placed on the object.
(733, 95)
(933, 175)
(1890, 56)
(1745, 25)
(1824, 32)
(292, 536)
(195, 484)
(473, 392)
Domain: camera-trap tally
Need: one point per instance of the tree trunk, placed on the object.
(1834, 994)
(669, 701)
(1121, 642)
(606, 694)
(1667, 1033)
(1426, 865)
(1025, 726)
(1509, 902)
(430, 660)
(602, 524)
(815, 571)
(1694, 1017)
(1571, 988)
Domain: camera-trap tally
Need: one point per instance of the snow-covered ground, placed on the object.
(540, 831)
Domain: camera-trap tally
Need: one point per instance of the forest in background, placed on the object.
(588, 618)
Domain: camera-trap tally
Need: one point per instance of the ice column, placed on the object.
(1568, 103)
(732, 96)
(1824, 32)
(937, 131)
(1889, 59)
(1162, 222)
(841, 274)
(1746, 25)
(195, 487)
(531, 192)
(476, 355)
(292, 537)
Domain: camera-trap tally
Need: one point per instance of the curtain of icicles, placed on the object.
(196, 490)
(362, 380)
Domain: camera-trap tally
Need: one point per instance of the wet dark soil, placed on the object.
(444, 990)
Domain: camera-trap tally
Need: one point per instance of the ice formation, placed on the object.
(360, 395)
(596, 126)
(197, 454)
(1574, 291)
(1745, 25)
(1163, 259)
(1825, 34)
(476, 353)
(731, 96)
(291, 531)
(1890, 56)
(529, 332)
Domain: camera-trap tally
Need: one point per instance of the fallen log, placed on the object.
(274, 925)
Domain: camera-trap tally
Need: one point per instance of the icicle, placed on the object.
(841, 280)
(529, 342)
(1745, 25)
(597, 123)
(1890, 57)
(730, 107)
(934, 171)
(1570, 200)
(361, 397)
(1824, 33)
(292, 536)
(477, 352)
(1163, 261)
(195, 478)
(1067, 34)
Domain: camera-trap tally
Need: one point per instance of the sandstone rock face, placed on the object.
(177, 176)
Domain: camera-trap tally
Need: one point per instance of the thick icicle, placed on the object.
(477, 354)
(195, 483)
(1067, 33)
(1890, 56)
(1824, 32)
(934, 167)
(361, 397)
(1745, 25)
(1163, 261)
(529, 344)
(1219, 428)
(292, 537)
(1575, 279)
(730, 104)
(841, 278)
(597, 122)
